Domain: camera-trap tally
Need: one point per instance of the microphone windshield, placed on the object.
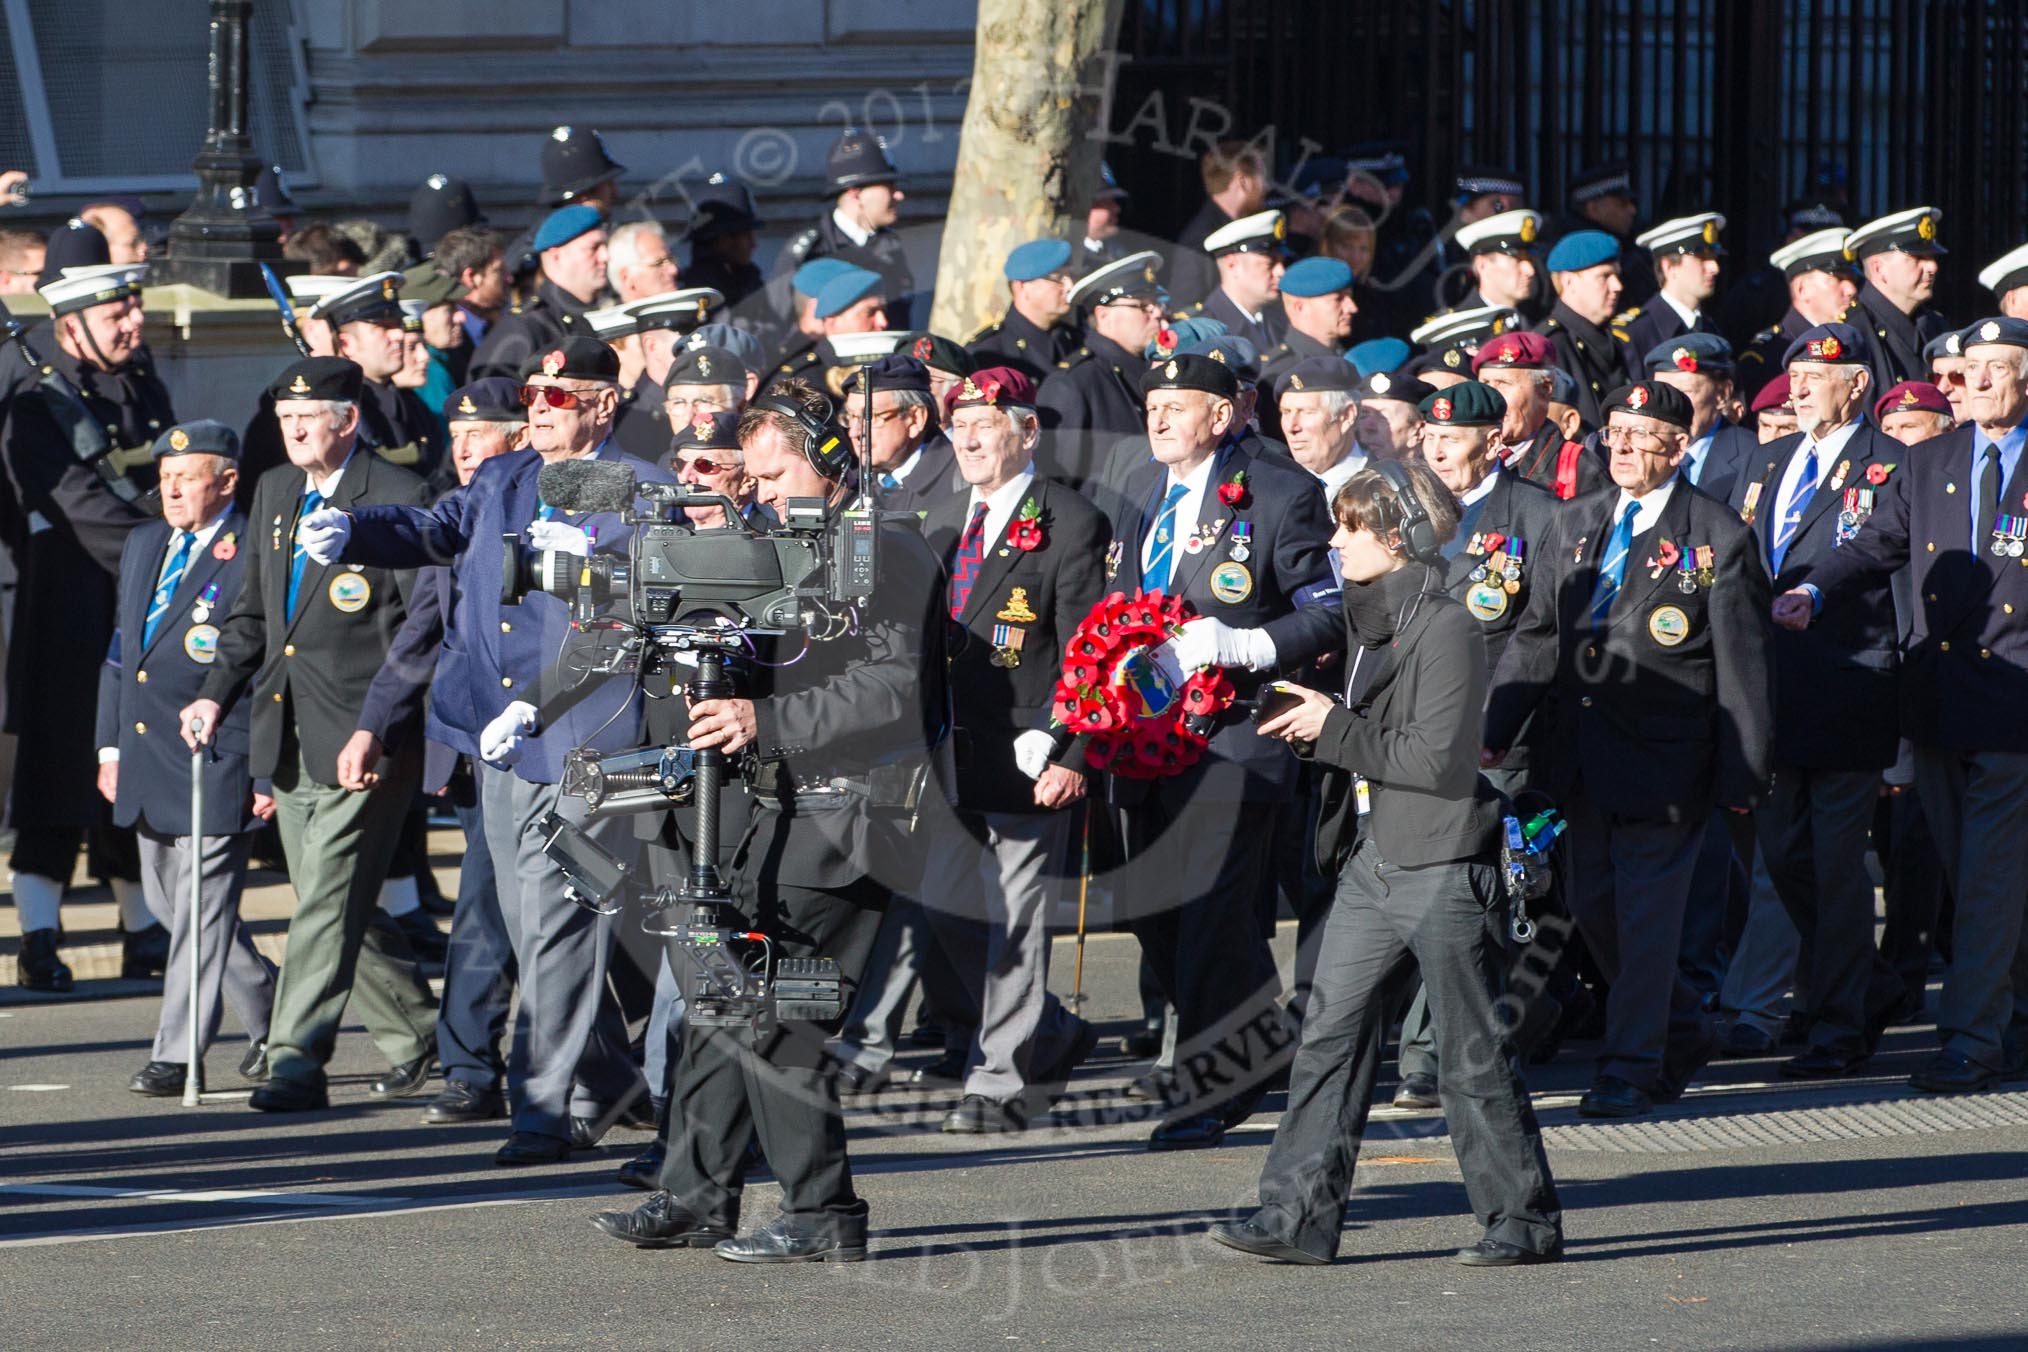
(586, 486)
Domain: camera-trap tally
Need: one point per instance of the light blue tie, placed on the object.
(1612, 568)
(1155, 577)
(165, 590)
(1792, 514)
(312, 500)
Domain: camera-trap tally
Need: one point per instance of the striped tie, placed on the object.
(312, 500)
(1155, 577)
(1612, 568)
(165, 591)
(1792, 515)
(965, 567)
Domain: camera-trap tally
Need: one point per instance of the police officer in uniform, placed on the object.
(303, 644)
(1898, 253)
(1095, 400)
(64, 610)
(571, 246)
(1823, 282)
(723, 233)
(1031, 336)
(1950, 513)
(1602, 198)
(1250, 254)
(1646, 627)
(865, 190)
(844, 728)
(1584, 271)
(1686, 252)
(176, 577)
(1244, 540)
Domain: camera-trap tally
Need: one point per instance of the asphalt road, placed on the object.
(1754, 1216)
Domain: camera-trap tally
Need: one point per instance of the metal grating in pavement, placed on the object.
(1842, 1122)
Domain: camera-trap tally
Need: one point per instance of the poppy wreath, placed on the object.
(1111, 693)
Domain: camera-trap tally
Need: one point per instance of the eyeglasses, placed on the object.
(854, 417)
(704, 465)
(553, 395)
(1646, 442)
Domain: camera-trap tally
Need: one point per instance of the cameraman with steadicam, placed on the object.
(832, 751)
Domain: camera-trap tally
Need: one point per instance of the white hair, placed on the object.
(623, 248)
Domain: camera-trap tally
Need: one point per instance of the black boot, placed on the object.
(39, 968)
(144, 953)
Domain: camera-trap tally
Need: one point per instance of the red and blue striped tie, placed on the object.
(965, 567)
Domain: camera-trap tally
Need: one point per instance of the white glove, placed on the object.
(1031, 752)
(559, 536)
(500, 743)
(323, 534)
(1206, 642)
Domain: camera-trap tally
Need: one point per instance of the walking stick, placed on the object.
(193, 1067)
(1083, 892)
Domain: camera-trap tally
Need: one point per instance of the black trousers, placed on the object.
(729, 1087)
(1385, 922)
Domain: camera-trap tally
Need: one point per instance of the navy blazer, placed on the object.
(505, 648)
(1735, 453)
(1289, 592)
(143, 687)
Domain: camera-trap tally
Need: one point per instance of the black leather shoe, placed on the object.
(1248, 1237)
(1614, 1097)
(644, 1170)
(429, 943)
(660, 1223)
(144, 954)
(1498, 1253)
(1047, 1084)
(782, 1241)
(289, 1096)
(1953, 1073)
(1189, 1133)
(524, 1148)
(587, 1132)
(462, 1101)
(854, 1078)
(1824, 1063)
(1144, 1041)
(945, 1070)
(1742, 1041)
(406, 1079)
(925, 1034)
(638, 1115)
(1680, 1064)
(1417, 1091)
(253, 1067)
(39, 968)
(976, 1115)
(159, 1079)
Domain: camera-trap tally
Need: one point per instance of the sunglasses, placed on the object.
(553, 395)
(704, 465)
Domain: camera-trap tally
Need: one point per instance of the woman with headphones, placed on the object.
(1410, 831)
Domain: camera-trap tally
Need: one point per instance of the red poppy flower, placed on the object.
(1669, 554)
(1233, 491)
(224, 550)
(1877, 474)
(1025, 536)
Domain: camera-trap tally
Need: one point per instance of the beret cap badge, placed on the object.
(299, 385)
(1638, 397)
(1684, 359)
(1169, 371)
(552, 363)
(1989, 330)
(179, 440)
(1442, 409)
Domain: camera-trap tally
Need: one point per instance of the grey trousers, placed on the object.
(1385, 921)
(987, 897)
(342, 946)
(229, 964)
(1764, 965)
(568, 1029)
(1630, 880)
(1815, 826)
(1977, 804)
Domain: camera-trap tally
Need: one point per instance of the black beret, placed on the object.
(328, 378)
(202, 437)
(1652, 399)
(1318, 373)
(1187, 371)
(940, 353)
(706, 366)
(896, 371)
(707, 432)
(578, 357)
(494, 399)
(1404, 384)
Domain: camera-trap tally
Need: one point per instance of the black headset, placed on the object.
(1418, 535)
(825, 444)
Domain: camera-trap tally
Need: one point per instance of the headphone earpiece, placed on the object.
(1418, 535)
(825, 445)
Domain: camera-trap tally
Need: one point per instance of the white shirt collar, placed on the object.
(1647, 510)
(850, 228)
(1482, 488)
(329, 487)
(1348, 465)
(205, 533)
(1001, 504)
(901, 471)
(1253, 316)
(1191, 510)
(1689, 317)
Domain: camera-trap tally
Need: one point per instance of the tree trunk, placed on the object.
(1028, 162)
